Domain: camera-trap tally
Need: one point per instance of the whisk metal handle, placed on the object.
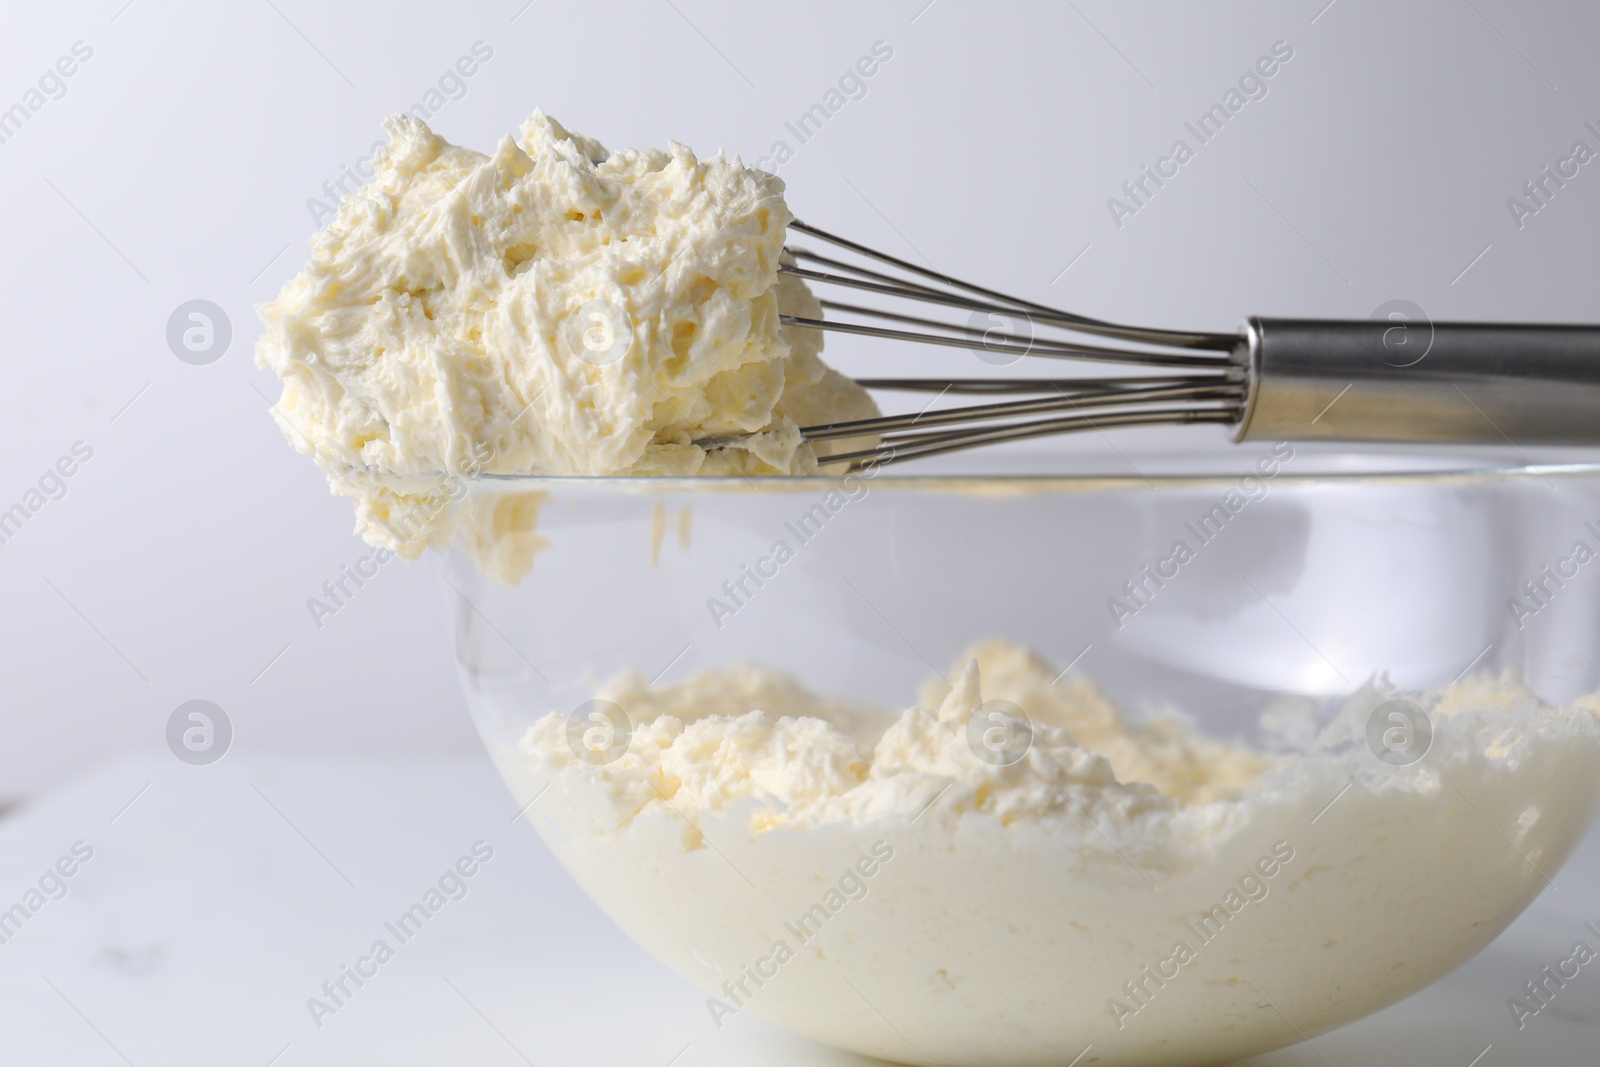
(1446, 382)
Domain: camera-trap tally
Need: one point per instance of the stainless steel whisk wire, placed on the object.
(1210, 389)
(1276, 378)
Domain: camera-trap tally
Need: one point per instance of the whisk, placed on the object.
(1389, 380)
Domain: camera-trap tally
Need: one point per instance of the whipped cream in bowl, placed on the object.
(938, 768)
(774, 754)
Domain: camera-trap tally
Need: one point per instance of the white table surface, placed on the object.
(220, 899)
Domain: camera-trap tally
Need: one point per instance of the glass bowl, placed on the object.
(1360, 696)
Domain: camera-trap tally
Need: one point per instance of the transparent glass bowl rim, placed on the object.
(961, 483)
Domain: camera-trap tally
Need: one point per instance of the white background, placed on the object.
(178, 166)
(179, 162)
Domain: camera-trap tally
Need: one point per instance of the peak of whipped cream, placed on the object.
(552, 308)
(744, 734)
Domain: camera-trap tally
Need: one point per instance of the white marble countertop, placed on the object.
(218, 899)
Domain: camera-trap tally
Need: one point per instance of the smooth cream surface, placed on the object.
(550, 308)
(1128, 886)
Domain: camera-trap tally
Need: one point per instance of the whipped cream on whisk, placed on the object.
(552, 308)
